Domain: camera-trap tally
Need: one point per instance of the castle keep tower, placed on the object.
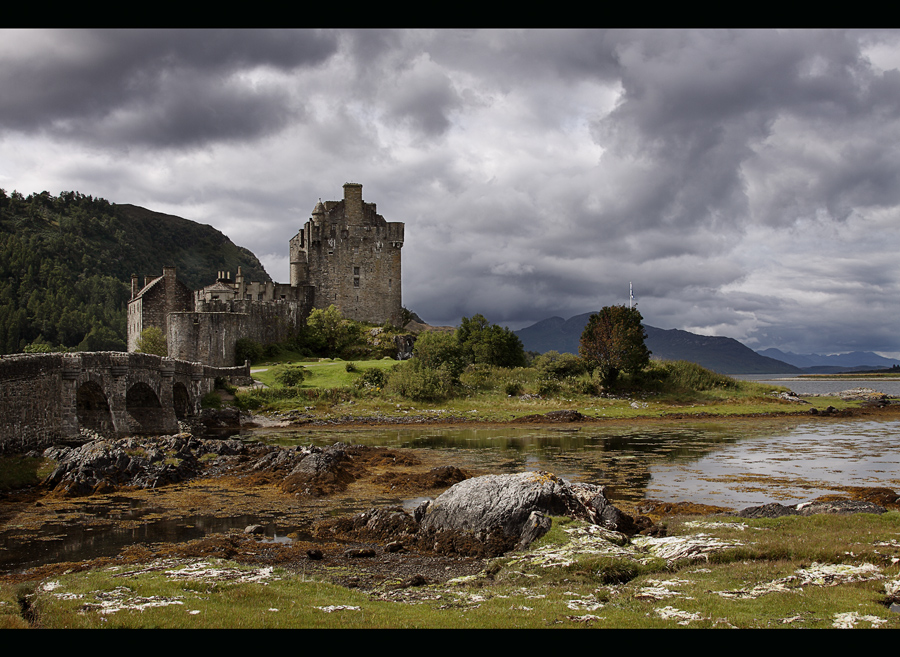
(351, 255)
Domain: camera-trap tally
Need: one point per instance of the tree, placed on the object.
(489, 344)
(328, 331)
(434, 349)
(152, 341)
(613, 342)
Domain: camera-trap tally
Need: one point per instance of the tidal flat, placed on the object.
(55, 549)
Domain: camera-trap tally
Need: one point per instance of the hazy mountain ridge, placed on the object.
(851, 360)
(721, 354)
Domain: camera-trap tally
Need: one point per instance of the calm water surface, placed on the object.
(804, 386)
(732, 464)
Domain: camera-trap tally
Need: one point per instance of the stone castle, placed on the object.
(346, 255)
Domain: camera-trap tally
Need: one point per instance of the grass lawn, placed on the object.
(803, 572)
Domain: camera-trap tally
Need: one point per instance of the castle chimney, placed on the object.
(353, 203)
(134, 286)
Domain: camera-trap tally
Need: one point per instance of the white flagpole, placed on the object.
(630, 296)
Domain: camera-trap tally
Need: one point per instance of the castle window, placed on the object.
(356, 271)
(356, 281)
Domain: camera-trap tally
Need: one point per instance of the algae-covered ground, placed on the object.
(710, 572)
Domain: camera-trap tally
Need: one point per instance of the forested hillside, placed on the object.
(66, 263)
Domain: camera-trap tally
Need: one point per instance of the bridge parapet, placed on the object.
(45, 398)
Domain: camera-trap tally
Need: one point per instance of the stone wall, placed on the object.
(211, 333)
(151, 304)
(47, 398)
(27, 384)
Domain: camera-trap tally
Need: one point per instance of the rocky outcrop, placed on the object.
(775, 510)
(486, 516)
(554, 416)
(319, 471)
(101, 466)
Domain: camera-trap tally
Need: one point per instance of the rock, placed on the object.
(842, 507)
(415, 580)
(553, 416)
(536, 526)
(771, 510)
(315, 555)
(791, 397)
(485, 516)
(394, 546)
(359, 553)
(775, 510)
(441, 477)
(489, 515)
(255, 529)
(102, 466)
(867, 394)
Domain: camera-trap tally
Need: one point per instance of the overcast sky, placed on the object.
(745, 182)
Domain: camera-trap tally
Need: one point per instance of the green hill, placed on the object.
(66, 263)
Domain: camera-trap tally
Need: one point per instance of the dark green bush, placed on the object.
(513, 388)
(419, 383)
(560, 366)
(290, 375)
(372, 377)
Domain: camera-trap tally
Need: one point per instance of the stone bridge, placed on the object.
(46, 398)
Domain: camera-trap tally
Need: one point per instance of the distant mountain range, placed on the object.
(720, 354)
(816, 363)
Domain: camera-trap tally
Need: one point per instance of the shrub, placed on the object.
(289, 375)
(152, 341)
(513, 389)
(559, 366)
(372, 377)
(548, 387)
(211, 400)
(414, 381)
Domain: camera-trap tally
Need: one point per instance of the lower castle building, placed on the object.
(346, 255)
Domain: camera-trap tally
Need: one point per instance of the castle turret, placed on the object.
(351, 255)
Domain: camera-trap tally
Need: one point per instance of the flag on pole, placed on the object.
(630, 296)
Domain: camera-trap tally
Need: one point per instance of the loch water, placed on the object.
(732, 463)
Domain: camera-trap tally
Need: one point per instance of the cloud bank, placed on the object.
(746, 182)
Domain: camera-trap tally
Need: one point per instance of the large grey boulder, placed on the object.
(484, 516)
(492, 514)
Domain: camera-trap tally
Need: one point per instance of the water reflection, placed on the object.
(732, 464)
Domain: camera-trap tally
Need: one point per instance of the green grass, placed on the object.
(664, 390)
(328, 373)
(21, 471)
(813, 572)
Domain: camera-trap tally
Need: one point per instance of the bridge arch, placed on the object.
(143, 410)
(92, 409)
(181, 400)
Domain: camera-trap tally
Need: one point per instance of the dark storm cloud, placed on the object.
(154, 87)
(747, 182)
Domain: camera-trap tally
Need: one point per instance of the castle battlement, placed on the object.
(346, 255)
